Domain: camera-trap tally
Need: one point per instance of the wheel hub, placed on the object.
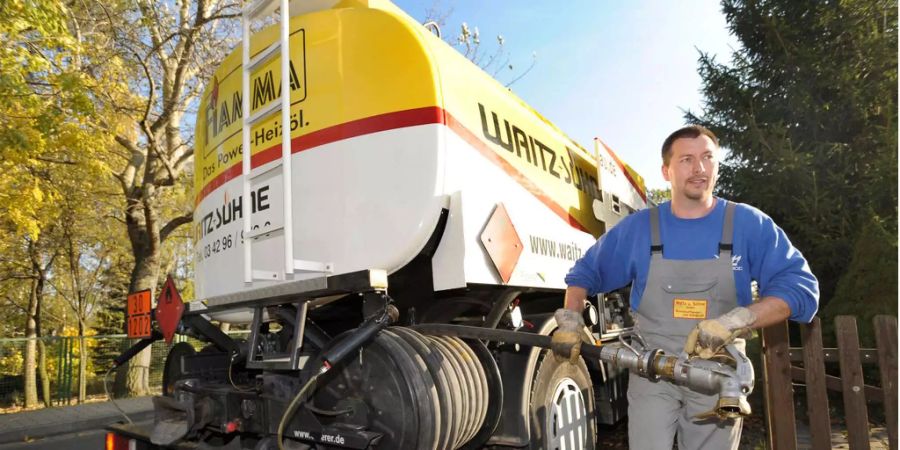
(567, 423)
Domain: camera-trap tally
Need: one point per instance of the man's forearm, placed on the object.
(768, 311)
(575, 297)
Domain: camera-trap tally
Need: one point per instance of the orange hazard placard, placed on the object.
(139, 302)
(138, 315)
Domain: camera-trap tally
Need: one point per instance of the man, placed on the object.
(690, 262)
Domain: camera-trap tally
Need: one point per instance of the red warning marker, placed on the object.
(502, 242)
(169, 309)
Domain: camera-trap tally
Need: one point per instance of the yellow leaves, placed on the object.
(37, 194)
(25, 202)
(44, 17)
(72, 330)
(11, 360)
(24, 223)
(49, 147)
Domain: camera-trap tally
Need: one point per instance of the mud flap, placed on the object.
(173, 420)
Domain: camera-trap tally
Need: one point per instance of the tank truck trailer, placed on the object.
(397, 255)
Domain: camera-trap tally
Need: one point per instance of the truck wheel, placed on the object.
(172, 368)
(562, 406)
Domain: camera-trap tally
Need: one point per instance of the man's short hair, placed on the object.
(690, 131)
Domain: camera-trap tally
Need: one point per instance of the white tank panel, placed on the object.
(367, 202)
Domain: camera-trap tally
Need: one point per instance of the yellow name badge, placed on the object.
(689, 309)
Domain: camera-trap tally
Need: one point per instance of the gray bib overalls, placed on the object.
(678, 295)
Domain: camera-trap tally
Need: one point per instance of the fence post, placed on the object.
(857, 416)
(816, 390)
(886, 340)
(779, 392)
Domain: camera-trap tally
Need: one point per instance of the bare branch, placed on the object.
(54, 161)
(16, 305)
(174, 224)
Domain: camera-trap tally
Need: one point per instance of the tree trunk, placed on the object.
(30, 362)
(138, 382)
(42, 371)
(134, 378)
(82, 363)
(42, 348)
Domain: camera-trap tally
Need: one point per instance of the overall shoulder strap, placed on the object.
(726, 243)
(655, 242)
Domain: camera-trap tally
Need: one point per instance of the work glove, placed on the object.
(710, 336)
(566, 340)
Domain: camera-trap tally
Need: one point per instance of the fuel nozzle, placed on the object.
(728, 374)
(731, 407)
(734, 382)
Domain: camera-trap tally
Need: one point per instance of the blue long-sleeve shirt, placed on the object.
(762, 252)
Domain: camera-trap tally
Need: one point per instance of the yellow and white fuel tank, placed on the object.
(390, 126)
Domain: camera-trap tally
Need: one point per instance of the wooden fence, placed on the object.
(780, 375)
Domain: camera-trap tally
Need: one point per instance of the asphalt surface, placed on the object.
(82, 427)
(85, 440)
(73, 427)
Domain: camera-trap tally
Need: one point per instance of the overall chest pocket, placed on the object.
(687, 287)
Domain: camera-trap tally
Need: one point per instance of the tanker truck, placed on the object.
(359, 184)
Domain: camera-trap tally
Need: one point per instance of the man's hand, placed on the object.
(710, 336)
(566, 340)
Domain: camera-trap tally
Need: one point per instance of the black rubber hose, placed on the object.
(136, 348)
(360, 336)
(508, 336)
(292, 408)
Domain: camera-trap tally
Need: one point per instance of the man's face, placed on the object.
(693, 168)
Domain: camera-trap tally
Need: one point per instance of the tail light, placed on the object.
(117, 442)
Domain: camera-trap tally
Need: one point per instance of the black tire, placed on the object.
(555, 387)
(172, 368)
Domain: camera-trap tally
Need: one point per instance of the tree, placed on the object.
(870, 280)
(468, 42)
(44, 134)
(808, 108)
(659, 195)
(43, 108)
(85, 254)
(174, 47)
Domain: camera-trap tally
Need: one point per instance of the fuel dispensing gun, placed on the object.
(729, 373)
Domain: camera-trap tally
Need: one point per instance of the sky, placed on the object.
(621, 71)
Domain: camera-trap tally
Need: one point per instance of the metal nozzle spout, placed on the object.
(733, 407)
(727, 408)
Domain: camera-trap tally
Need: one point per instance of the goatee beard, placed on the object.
(695, 196)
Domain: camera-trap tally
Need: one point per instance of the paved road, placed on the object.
(68, 427)
(93, 439)
(81, 427)
(87, 440)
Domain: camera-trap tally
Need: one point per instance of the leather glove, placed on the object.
(566, 340)
(710, 336)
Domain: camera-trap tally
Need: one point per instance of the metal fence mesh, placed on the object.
(62, 359)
